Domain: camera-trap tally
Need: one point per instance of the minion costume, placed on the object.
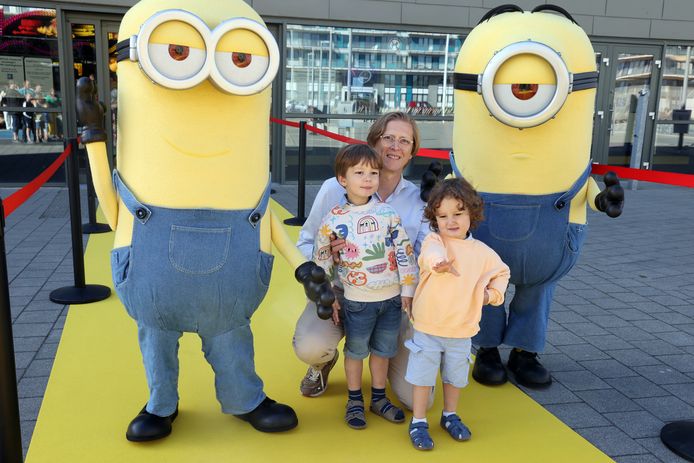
(524, 96)
(189, 200)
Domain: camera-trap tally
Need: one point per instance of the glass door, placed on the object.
(92, 54)
(628, 83)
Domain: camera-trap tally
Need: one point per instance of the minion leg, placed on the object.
(239, 388)
(160, 356)
(528, 316)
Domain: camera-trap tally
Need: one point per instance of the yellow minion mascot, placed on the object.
(524, 97)
(188, 202)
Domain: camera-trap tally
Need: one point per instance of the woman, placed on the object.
(395, 137)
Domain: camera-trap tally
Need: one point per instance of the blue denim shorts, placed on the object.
(430, 353)
(372, 327)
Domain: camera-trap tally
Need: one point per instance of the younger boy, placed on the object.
(378, 271)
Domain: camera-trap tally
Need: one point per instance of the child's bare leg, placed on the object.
(379, 371)
(420, 400)
(451, 394)
(353, 372)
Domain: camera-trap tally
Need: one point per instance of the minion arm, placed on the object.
(101, 176)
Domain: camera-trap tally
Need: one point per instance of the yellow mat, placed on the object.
(98, 385)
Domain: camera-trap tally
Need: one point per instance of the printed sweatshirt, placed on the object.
(378, 260)
(450, 306)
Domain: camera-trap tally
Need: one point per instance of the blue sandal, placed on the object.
(455, 427)
(419, 435)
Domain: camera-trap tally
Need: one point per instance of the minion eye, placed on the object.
(240, 68)
(241, 60)
(176, 62)
(246, 56)
(522, 100)
(179, 52)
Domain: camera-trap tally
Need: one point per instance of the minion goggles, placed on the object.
(527, 105)
(180, 67)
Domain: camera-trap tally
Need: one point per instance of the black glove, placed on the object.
(317, 287)
(90, 112)
(430, 178)
(611, 199)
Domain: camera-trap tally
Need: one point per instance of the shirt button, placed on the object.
(255, 217)
(141, 213)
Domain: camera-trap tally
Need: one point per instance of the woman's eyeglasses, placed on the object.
(402, 142)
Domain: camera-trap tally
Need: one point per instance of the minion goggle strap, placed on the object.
(522, 104)
(182, 66)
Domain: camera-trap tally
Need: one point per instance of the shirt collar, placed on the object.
(398, 188)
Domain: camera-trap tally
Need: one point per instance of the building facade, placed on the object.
(345, 62)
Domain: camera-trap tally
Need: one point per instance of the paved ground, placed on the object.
(621, 339)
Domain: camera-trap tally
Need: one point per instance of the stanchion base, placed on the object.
(295, 221)
(75, 295)
(679, 437)
(89, 228)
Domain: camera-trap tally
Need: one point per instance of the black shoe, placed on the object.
(146, 427)
(488, 369)
(527, 370)
(270, 416)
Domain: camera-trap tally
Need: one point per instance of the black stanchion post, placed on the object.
(10, 432)
(301, 207)
(81, 293)
(92, 226)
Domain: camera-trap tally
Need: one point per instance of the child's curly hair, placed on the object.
(461, 190)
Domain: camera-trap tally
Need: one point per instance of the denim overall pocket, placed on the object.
(265, 262)
(512, 223)
(198, 251)
(120, 265)
(575, 235)
(120, 273)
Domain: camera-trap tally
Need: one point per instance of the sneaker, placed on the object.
(316, 380)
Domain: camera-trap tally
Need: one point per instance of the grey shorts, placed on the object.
(429, 354)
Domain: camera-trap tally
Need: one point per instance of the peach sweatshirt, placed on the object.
(451, 306)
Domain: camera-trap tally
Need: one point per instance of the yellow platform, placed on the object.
(98, 385)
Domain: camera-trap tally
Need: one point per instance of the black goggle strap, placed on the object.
(462, 81)
(470, 82)
(584, 81)
(123, 50)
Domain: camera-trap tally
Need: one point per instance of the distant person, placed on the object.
(28, 117)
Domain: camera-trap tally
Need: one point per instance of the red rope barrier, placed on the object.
(655, 176)
(17, 198)
(424, 152)
(626, 173)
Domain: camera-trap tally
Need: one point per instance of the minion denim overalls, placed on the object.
(533, 236)
(201, 271)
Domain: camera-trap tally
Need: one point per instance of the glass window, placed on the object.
(331, 69)
(674, 139)
(30, 78)
(677, 87)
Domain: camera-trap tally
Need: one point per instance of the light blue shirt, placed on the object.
(405, 200)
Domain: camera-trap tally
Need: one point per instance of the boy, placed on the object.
(378, 271)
